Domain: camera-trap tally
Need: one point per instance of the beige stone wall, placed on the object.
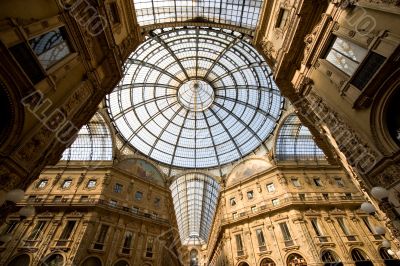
(92, 207)
(325, 203)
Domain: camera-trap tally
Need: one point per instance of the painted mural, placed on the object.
(246, 169)
(142, 169)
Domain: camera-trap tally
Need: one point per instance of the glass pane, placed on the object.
(195, 98)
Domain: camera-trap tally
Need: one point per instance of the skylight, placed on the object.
(195, 98)
(242, 14)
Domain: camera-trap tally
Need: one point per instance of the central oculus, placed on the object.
(196, 95)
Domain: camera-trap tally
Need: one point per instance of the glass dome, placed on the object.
(195, 98)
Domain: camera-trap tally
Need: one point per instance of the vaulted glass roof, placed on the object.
(296, 143)
(93, 142)
(195, 197)
(234, 12)
(195, 98)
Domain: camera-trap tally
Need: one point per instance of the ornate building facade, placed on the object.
(107, 216)
(199, 132)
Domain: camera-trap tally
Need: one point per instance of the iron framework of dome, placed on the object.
(195, 197)
(243, 14)
(195, 98)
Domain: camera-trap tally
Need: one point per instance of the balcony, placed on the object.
(31, 244)
(290, 199)
(289, 243)
(262, 248)
(76, 202)
(240, 253)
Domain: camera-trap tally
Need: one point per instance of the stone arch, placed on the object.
(267, 262)
(386, 100)
(21, 259)
(295, 259)
(53, 259)
(360, 257)
(121, 263)
(92, 261)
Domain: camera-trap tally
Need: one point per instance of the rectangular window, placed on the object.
(371, 229)
(149, 247)
(282, 18)
(50, 47)
(23, 54)
(271, 187)
(302, 197)
(295, 182)
(317, 230)
(239, 245)
(370, 66)
(275, 202)
(9, 227)
(260, 237)
(325, 196)
(346, 55)
(101, 237)
(84, 199)
(34, 236)
(114, 15)
(234, 215)
(232, 201)
(339, 182)
(66, 233)
(57, 198)
(67, 183)
(253, 208)
(126, 248)
(157, 202)
(250, 194)
(317, 182)
(42, 183)
(32, 199)
(343, 226)
(118, 188)
(138, 195)
(286, 234)
(91, 183)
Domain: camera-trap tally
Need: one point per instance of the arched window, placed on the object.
(267, 262)
(360, 258)
(295, 142)
(20, 260)
(92, 261)
(296, 260)
(243, 264)
(121, 263)
(330, 258)
(93, 142)
(54, 260)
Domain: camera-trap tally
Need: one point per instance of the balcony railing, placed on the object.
(323, 239)
(31, 243)
(289, 243)
(262, 248)
(63, 243)
(293, 198)
(351, 238)
(100, 203)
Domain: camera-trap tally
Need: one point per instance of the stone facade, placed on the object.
(112, 216)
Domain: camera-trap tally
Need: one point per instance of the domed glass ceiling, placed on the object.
(195, 98)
